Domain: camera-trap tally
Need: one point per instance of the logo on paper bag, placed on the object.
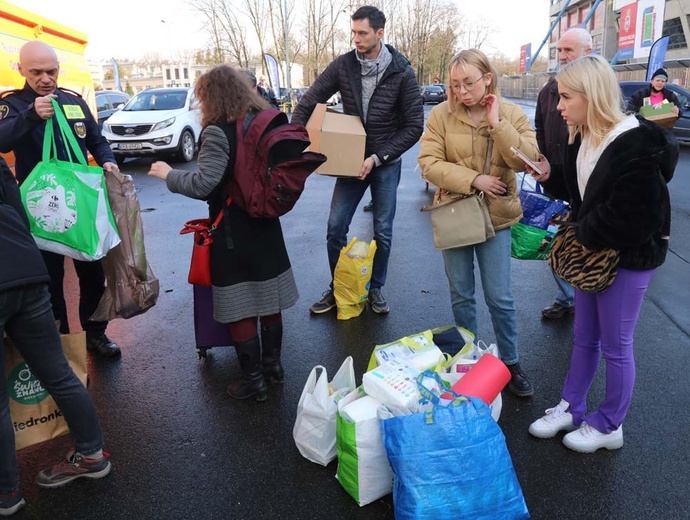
(52, 206)
(80, 129)
(23, 386)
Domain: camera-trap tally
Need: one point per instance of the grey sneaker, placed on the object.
(74, 467)
(378, 303)
(325, 304)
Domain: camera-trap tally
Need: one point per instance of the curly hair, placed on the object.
(224, 94)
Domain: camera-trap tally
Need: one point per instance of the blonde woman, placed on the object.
(616, 169)
(453, 153)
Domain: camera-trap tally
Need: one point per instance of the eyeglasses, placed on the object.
(469, 85)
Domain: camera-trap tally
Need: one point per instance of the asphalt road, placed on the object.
(182, 448)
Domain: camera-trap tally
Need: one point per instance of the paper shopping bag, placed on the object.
(35, 416)
(314, 430)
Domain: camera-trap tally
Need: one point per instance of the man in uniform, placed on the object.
(378, 85)
(24, 114)
(552, 137)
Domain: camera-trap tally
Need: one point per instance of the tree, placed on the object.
(227, 32)
(128, 89)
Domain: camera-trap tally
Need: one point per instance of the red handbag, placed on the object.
(200, 268)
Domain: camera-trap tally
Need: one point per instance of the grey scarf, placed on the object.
(372, 70)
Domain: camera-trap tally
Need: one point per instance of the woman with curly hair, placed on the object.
(250, 269)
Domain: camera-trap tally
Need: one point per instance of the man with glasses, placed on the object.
(552, 137)
(377, 84)
(655, 94)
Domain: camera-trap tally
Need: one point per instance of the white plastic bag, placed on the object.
(363, 467)
(314, 430)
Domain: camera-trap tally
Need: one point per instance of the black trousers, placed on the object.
(91, 288)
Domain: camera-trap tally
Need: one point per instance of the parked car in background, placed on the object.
(108, 102)
(433, 94)
(682, 128)
(157, 121)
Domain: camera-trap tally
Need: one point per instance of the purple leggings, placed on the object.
(604, 324)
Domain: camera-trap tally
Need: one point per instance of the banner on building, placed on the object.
(657, 56)
(525, 58)
(641, 24)
(273, 73)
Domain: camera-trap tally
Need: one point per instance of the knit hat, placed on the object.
(660, 73)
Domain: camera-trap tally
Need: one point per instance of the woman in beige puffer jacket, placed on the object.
(452, 157)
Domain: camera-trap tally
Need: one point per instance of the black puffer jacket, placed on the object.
(21, 261)
(626, 204)
(395, 121)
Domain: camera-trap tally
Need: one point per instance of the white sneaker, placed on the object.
(555, 420)
(587, 439)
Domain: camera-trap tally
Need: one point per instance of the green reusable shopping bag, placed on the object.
(530, 243)
(363, 468)
(66, 201)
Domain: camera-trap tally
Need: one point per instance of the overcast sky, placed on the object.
(128, 28)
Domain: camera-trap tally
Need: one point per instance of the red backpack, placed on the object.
(271, 164)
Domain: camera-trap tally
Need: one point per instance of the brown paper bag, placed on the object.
(35, 416)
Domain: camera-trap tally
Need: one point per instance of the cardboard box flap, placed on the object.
(344, 124)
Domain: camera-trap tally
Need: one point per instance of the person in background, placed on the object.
(453, 153)
(24, 114)
(377, 84)
(616, 171)
(265, 90)
(552, 136)
(26, 318)
(655, 94)
(250, 268)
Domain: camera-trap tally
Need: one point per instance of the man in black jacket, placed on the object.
(26, 317)
(655, 94)
(24, 114)
(377, 84)
(552, 137)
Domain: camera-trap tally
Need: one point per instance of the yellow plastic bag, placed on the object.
(420, 341)
(352, 277)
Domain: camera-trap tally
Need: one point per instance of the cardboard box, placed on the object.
(662, 114)
(339, 137)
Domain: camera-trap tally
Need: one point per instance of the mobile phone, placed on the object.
(527, 160)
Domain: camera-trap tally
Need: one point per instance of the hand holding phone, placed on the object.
(529, 162)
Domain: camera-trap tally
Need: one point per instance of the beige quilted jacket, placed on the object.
(453, 152)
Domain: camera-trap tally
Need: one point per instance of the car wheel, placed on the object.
(185, 150)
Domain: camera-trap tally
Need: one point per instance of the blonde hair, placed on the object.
(478, 59)
(592, 77)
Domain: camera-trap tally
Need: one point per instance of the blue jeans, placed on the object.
(493, 259)
(566, 292)
(347, 194)
(26, 316)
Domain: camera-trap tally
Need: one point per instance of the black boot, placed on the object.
(519, 384)
(252, 382)
(271, 342)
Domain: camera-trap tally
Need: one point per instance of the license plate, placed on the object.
(129, 146)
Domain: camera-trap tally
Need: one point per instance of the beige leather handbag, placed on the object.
(462, 220)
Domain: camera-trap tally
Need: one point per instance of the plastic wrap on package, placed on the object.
(132, 288)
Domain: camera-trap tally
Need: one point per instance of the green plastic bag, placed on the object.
(66, 201)
(530, 243)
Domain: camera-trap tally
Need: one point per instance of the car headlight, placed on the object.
(163, 124)
(106, 126)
